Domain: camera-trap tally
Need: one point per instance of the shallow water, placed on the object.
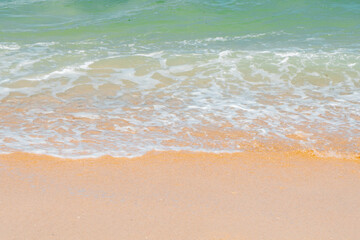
(87, 78)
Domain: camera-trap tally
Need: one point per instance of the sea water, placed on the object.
(82, 78)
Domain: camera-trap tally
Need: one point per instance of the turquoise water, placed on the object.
(275, 23)
(164, 74)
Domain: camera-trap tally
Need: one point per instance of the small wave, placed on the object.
(9, 46)
(225, 101)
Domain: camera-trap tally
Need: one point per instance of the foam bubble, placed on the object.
(9, 46)
(225, 101)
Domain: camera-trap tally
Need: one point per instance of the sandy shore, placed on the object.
(179, 195)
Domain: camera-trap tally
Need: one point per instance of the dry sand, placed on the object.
(180, 195)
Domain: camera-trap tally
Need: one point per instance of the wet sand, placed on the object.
(180, 195)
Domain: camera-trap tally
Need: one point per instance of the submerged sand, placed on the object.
(180, 195)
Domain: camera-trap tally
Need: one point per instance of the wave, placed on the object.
(126, 77)
(228, 101)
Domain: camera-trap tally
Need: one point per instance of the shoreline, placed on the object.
(181, 154)
(180, 195)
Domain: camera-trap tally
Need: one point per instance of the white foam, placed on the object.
(267, 94)
(86, 115)
(9, 46)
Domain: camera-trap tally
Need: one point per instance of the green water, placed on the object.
(269, 69)
(295, 23)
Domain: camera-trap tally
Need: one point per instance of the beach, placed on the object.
(180, 195)
(179, 119)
